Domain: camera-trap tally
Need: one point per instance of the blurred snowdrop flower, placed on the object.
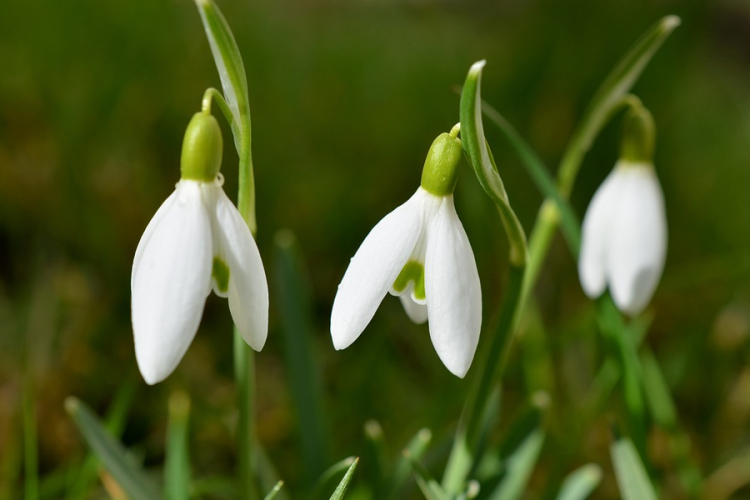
(420, 253)
(624, 238)
(196, 242)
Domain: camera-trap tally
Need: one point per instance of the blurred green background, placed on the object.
(346, 97)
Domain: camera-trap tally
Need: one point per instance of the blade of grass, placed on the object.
(540, 175)
(580, 483)
(274, 491)
(131, 478)
(629, 471)
(415, 450)
(340, 491)
(294, 302)
(429, 487)
(114, 422)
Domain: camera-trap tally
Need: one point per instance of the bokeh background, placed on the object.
(346, 97)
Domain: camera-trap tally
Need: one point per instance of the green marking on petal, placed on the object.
(220, 273)
(413, 271)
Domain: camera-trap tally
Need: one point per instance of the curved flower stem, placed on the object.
(210, 95)
(235, 106)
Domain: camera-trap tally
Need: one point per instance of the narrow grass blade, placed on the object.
(657, 393)
(114, 422)
(375, 457)
(340, 491)
(177, 466)
(580, 483)
(609, 97)
(274, 491)
(541, 176)
(430, 488)
(521, 450)
(415, 450)
(327, 478)
(629, 471)
(132, 479)
(268, 476)
(294, 302)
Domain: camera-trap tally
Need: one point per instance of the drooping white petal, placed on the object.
(417, 312)
(595, 236)
(454, 295)
(171, 278)
(248, 288)
(373, 269)
(152, 225)
(639, 240)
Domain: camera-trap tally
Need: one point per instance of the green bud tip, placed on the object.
(441, 166)
(638, 135)
(201, 149)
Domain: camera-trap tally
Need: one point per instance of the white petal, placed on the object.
(171, 278)
(248, 288)
(454, 295)
(416, 312)
(639, 241)
(595, 236)
(152, 225)
(373, 269)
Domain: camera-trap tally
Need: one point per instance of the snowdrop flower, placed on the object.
(196, 242)
(420, 253)
(624, 239)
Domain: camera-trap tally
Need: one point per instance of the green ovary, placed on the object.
(220, 273)
(413, 271)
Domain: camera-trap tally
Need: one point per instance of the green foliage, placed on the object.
(113, 456)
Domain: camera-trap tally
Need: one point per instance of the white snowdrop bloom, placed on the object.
(419, 252)
(624, 239)
(196, 242)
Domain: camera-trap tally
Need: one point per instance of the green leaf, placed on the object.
(521, 450)
(177, 466)
(326, 479)
(268, 476)
(541, 176)
(340, 491)
(609, 97)
(131, 478)
(415, 450)
(114, 422)
(629, 470)
(580, 483)
(295, 307)
(657, 393)
(230, 67)
(480, 158)
(430, 488)
(272, 494)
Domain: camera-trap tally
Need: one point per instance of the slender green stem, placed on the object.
(210, 95)
(244, 371)
(177, 464)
